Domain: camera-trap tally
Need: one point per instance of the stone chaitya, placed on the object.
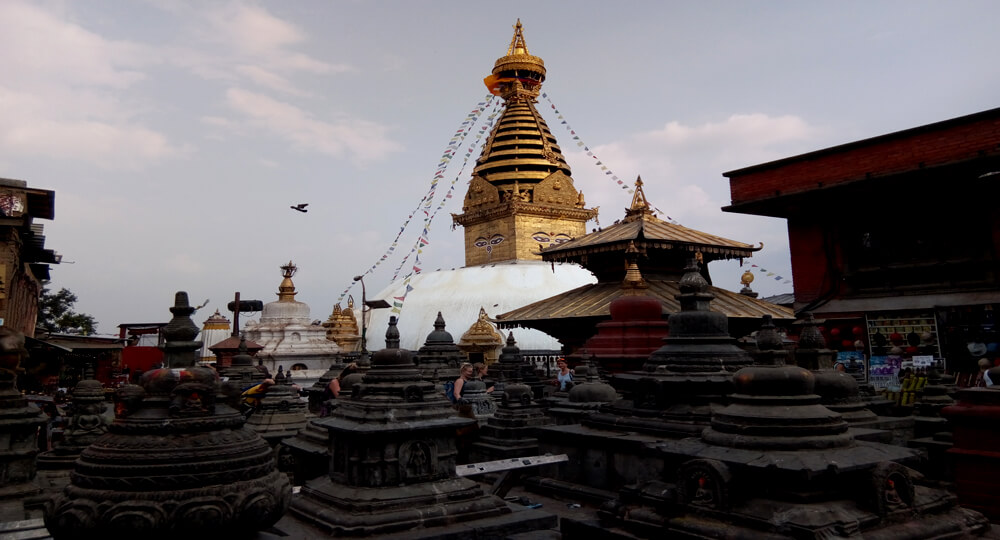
(239, 374)
(19, 423)
(281, 415)
(674, 396)
(588, 395)
(776, 463)
(510, 431)
(685, 378)
(439, 358)
(392, 466)
(175, 462)
(838, 390)
(89, 418)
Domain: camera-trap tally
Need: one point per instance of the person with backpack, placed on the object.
(453, 390)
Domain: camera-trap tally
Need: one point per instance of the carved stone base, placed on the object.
(355, 511)
(234, 509)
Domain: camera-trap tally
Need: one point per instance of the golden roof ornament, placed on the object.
(747, 278)
(481, 335)
(640, 206)
(634, 283)
(286, 291)
(517, 75)
(342, 327)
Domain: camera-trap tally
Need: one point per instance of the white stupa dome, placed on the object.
(460, 293)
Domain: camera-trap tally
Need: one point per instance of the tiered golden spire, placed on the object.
(521, 171)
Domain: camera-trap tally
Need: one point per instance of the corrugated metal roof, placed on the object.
(649, 231)
(595, 301)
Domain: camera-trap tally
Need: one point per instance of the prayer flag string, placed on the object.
(768, 273)
(422, 240)
(596, 160)
(465, 128)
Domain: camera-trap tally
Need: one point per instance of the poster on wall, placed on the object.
(854, 363)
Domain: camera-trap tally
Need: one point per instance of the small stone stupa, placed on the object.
(685, 378)
(588, 395)
(175, 463)
(89, 419)
(439, 358)
(281, 414)
(19, 423)
(776, 463)
(838, 390)
(392, 464)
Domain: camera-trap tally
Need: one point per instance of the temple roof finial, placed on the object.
(634, 283)
(640, 206)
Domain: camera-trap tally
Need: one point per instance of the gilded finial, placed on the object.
(747, 278)
(633, 283)
(286, 291)
(640, 206)
(517, 44)
(518, 74)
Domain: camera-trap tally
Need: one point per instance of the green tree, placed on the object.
(55, 314)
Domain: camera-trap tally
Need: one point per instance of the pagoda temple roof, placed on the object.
(641, 227)
(595, 301)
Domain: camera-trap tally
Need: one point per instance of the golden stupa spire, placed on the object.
(517, 44)
(286, 291)
(521, 185)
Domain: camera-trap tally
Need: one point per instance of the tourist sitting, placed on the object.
(564, 375)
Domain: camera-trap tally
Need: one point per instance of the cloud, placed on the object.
(259, 45)
(64, 93)
(681, 166)
(269, 80)
(358, 139)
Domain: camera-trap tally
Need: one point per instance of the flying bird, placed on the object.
(300, 207)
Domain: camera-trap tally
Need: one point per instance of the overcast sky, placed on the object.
(177, 134)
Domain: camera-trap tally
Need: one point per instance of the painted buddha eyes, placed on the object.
(483, 242)
(549, 239)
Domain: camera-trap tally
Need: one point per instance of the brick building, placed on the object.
(24, 261)
(894, 240)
